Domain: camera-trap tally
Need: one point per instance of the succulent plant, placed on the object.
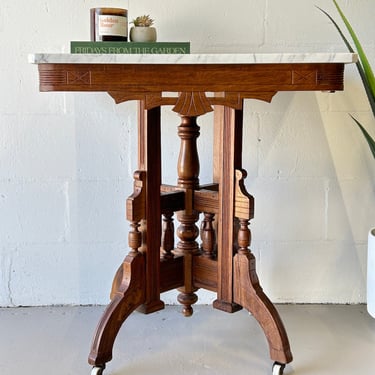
(143, 21)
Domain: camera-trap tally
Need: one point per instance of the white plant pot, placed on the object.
(143, 34)
(371, 273)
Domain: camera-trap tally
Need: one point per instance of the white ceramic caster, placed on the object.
(278, 368)
(97, 370)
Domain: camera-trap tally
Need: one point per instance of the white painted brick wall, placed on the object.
(66, 160)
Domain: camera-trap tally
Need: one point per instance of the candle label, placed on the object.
(113, 25)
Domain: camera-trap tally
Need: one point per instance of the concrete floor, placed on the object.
(325, 340)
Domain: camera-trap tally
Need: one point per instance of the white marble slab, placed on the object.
(251, 58)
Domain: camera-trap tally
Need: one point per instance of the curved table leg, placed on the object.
(127, 294)
(249, 294)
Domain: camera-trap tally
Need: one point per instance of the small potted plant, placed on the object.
(142, 31)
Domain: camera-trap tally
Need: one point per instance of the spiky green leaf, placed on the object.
(369, 139)
(361, 71)
(365, 63)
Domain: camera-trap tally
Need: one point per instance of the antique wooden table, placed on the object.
(221, 261)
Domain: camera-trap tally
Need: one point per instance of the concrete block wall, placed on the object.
(66, 160)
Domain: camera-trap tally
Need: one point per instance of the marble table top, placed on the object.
(251, 58)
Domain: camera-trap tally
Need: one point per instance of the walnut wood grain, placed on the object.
(149, 160)
(229, 155)
(244, 79)
(128, 293)
(237, 81)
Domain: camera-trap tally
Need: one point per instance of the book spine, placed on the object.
(130, 48)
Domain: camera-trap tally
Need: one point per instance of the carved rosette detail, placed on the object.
(192, 104)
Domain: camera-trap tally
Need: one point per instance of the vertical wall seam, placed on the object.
(265, 22)
(9, 282)
(326, 207)
(67, 226)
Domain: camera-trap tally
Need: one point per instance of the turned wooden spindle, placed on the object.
(187, 232)
(167, 239)
(244, 237)
(208, 235)
(188, 160)
(135, 243)
(135, 213)
(134, 238)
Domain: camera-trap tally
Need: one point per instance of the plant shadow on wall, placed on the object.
(368, 80)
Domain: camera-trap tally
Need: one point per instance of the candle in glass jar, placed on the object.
(109, 24)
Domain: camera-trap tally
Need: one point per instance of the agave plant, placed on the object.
(143, 21)
(364, 69)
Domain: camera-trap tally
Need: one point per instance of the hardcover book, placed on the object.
(130, 47)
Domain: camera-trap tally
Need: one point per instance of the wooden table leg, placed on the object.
(149, 160)
(246, 288)
(227, 158)
(137, 281)
(238, 284)
(128, 289)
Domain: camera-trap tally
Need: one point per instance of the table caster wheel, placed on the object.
(97, 370)
(278, 368)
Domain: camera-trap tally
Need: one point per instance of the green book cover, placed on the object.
(130, 47)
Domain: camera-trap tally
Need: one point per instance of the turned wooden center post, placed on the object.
(187, 232)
